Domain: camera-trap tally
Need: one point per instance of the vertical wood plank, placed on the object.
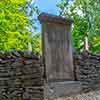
(57, 50)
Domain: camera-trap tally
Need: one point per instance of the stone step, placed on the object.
(65, 88)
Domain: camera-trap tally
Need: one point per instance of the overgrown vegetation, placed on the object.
(86, 15)
(17, 24)
(36, 44)
(13, 25)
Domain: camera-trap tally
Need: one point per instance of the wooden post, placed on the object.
(57, 47)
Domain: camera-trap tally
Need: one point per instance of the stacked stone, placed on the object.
(87, 69)
(21, 76)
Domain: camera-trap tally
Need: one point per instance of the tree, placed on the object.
(36, 44)
(32, 11)
(14, 33)
(86, 15)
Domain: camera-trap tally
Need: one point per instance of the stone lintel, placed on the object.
(45, 17)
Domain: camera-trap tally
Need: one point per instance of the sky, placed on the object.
(48, 6)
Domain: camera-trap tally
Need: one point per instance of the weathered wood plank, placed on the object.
(57, 49)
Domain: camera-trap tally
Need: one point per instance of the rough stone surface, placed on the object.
(93, 95)
(21, 76)
(61, 89)
(87, 70)
(53, 18)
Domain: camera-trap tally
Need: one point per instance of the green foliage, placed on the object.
(86, 15)
(36, 44)
(31, 9)
(14, 25)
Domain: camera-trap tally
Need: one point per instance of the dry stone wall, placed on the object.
(87, 70)
(21, 76)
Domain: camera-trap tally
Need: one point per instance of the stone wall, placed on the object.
(87, 69)
(21, 76)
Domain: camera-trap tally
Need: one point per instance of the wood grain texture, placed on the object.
(57, 51)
